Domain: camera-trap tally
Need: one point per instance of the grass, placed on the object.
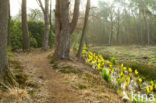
(137, 57)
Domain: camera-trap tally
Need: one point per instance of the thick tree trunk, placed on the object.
(26, 43)
(84, 30)
(9, 20)
(5, 74)
(46, 21)
(64, 28)
(3, 34)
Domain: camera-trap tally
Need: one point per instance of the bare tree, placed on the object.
(111, 25)
(26, 43)
(84, 29)
(64, 28)
(45, 11)
(5, 74)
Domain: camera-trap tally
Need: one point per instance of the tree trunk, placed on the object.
(147, 27)
(111, 32)
(84, 30)
(9, 20)
(5, 74)
(64, 28)
(26, 43)
(51, 31)
(118, 28)
(46, 21)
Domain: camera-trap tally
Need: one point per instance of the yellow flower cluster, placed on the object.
(125, 75)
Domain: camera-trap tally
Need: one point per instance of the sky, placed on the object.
(32, 4)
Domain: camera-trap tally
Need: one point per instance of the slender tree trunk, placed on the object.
(26, 43)
(84, 29)
(5, 75)
(64, 28)
(51, 31)
(46, 31)
(111, 32)
(147, 27)
(118, 28)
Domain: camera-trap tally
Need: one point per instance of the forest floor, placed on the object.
(60, 81)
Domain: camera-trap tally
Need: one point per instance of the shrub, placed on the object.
(36, 30)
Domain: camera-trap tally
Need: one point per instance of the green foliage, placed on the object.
(121, 80)
(106, 76)
(16, 35)
(36, 30)
(113, 60)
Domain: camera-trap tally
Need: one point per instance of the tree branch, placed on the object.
(75, 15)
(41, 5)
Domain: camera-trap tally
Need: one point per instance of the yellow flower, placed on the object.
(130, 70)
(128, 79)
(84, 47)
(113, 70)
(151, 88)
(110, 65)
(99, 67)
(122, 65)
(121, 74)
(155, 86)
(148, 90)
(109, 69)
(152, 83)
(136, 72)
(154, 100)
(108, 62)
(140, 80)
(126, 84)
(125, 68)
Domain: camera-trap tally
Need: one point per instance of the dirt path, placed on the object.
(52, 85)
(57, 90)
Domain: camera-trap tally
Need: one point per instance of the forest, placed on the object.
(77, 51)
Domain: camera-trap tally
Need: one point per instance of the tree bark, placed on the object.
(46, 32)
(45, 11)
(9, 21)
(147, 29)
(51, 31)
(26, 42)
(64, 28)
(118, 28)
(5, 74)
(82, 41)
(111, 30)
